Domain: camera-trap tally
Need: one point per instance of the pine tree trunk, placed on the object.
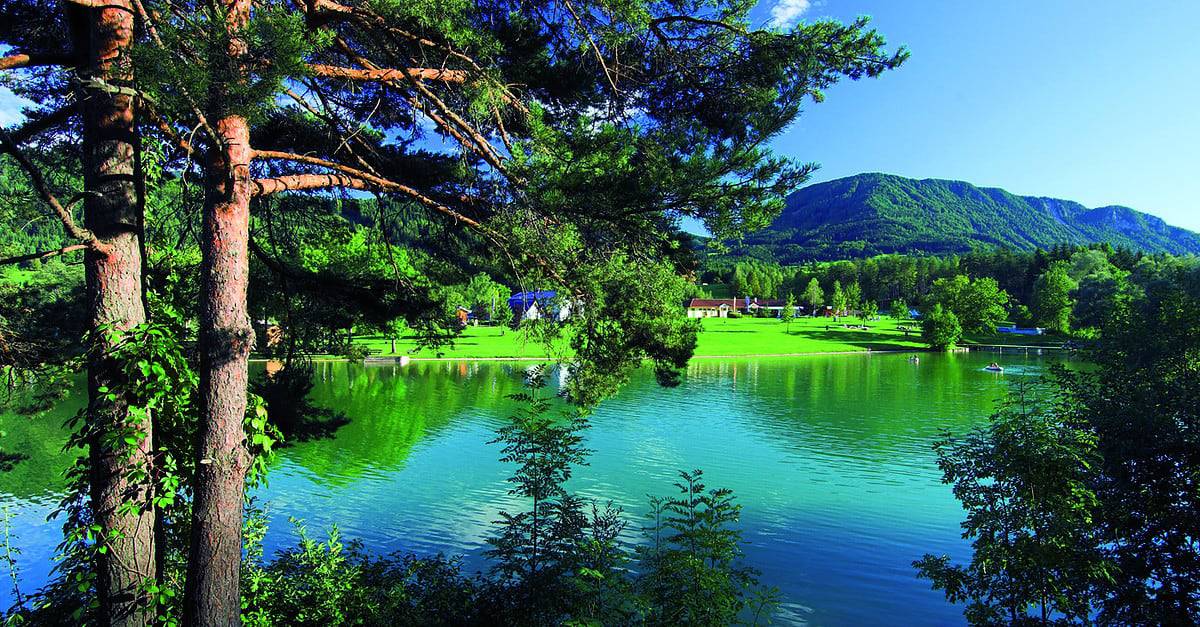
(114, 286)
(211, 594)
(225, 340)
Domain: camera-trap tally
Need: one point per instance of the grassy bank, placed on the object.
(719, 337)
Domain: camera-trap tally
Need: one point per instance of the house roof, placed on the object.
(711, 302)
(697, 303)
(525, 299)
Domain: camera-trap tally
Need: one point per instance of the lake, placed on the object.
(829, 455)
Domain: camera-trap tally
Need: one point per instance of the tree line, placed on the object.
(1066, 290)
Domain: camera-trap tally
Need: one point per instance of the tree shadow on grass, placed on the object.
(873, 340)
(8, 461)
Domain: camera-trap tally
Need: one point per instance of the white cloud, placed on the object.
(786, 13)
(10, 107)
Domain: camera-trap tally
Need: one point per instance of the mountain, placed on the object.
(869, 214)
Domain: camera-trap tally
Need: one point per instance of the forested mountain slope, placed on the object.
(869, 214)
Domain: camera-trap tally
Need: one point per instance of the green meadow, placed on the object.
(731, 337)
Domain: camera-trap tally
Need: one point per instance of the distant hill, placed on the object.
(870, 214)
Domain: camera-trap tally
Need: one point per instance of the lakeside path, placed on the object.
(720, 338)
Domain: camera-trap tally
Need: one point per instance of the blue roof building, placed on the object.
(536, 304)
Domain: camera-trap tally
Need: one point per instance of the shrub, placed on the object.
(940, 328)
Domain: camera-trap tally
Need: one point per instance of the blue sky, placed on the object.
(1092, 101)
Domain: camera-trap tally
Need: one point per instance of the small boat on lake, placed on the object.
(994, 367)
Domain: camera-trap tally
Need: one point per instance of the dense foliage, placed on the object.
(1031, 513)
(1066, 290)
(493, 147)
(940, 328)
(1083, 503)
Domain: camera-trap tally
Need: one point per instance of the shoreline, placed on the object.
(385, 360)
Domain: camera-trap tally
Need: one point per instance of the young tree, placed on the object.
(536, 547)
(854, 296)
(870, 309)
(690, 563)
(1026, 483)
(900, 310)
(485, 296)
(838, 299)
(940, 328)
(1051, 305)
(789, 312)
(813, 296)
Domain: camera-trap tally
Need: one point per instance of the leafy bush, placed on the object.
(940, 328)
(1024, 481)
(690, 564)
(333, 582)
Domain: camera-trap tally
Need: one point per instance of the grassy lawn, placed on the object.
(766, 336)
(720, 336)
(475, 342)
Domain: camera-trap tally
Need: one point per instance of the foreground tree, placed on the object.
(1088, 508)
(1025, 481)
(92, 45)
(1141, 402)
(626, 120)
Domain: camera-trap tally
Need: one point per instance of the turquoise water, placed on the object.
(830, 457)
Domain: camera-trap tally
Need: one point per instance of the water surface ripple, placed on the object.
(829, 456)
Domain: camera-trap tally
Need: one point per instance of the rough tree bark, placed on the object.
(114, 285)
(225, 342)
(211, 594)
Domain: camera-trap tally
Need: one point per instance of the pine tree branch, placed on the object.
(698, 21)
(39, 184)
(45, 254)
(478, 144)
(36, 126)
(34, 59)
(388, 74)
(592, 43)
(347, 177)
(145, 17)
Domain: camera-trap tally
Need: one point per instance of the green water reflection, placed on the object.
(829, 455)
